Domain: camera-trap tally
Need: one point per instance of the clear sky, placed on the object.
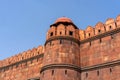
(24, 23)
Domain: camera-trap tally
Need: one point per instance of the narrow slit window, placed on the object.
(90, 43)
(99, 31)
(89, 34)
(51, 34)
(98, 73)
(65, 72)
(52, 72)
(70, 33)
(100, 40)
(65, 32)
(60, 33)
(60, 41)
(110, 70)
(86, 75)
(110, 27)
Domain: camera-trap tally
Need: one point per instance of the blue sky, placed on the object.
(24, 23)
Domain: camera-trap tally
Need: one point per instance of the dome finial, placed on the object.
(63, 19)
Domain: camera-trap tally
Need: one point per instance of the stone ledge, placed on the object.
(99, 66)
(63, 37)
(64, 66)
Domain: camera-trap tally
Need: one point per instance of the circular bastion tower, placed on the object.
(61, 58)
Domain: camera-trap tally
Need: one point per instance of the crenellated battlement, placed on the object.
(22, 56)
(100, 28)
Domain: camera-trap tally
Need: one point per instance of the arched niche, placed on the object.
(70, 30)
(110, 24)
(60, 29)
(99, 28)
(89, 32)
(51, 32)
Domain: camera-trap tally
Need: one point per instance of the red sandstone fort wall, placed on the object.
(100, 50)
(107, 73)
(61, 55)
(22, 66)
(95, 47)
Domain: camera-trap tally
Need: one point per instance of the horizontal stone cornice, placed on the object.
(63, 37)
(58, 66)
(100, 66)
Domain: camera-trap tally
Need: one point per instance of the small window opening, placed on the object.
(110, 27)
(89, 34)
(110, 70)
(100, 40)
(99, 31)
(51, 34)
(60, 41)
(70, 33)
(65, 72)
(52, 72)
(60, 33)
(98, 73)
(65, 32)
(90, 43)
(86, 75)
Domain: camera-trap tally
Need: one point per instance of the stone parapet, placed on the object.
(22, 56)
(100, 28)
